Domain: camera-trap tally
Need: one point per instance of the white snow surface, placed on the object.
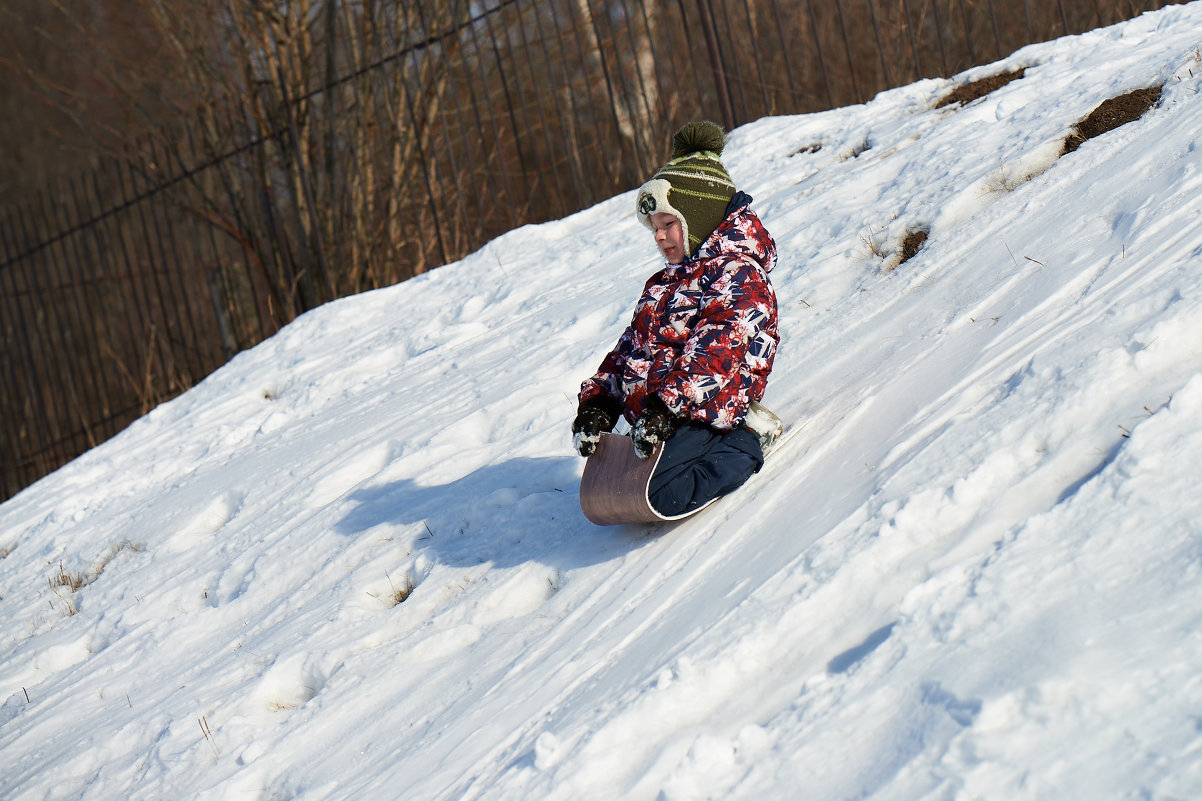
(970, 570)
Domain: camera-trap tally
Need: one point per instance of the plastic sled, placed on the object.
(613, 489)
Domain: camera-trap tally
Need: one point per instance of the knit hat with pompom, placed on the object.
(693, 186)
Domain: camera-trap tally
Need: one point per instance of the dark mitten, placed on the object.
(656, 425)
(594, 417)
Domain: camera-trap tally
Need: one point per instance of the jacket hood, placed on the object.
(741, 233)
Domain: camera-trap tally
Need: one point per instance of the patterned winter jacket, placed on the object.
(704, 332)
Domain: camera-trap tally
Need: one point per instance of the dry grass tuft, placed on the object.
(401, 594)
(873, 242)
(68, 580)
(1005, 180)
(73, 582)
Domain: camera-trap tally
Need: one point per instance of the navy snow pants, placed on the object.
(699, 464)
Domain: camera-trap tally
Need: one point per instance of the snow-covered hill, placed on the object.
(351, 564)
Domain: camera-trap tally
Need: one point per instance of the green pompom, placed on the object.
(698, 136)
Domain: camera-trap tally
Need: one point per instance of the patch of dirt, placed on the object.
(968, 92)
(1111, 114)
(912, 244)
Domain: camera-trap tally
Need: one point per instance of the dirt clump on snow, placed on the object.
(911, 244)
(1110, 114)
(968, 92)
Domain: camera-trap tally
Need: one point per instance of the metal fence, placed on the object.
(104, 313)
(436, 127)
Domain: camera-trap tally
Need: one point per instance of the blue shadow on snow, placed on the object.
(517, 511)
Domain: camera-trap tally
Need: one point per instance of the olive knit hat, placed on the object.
(693, 186)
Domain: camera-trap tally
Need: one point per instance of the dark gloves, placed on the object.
(594, 417)
(657, 424)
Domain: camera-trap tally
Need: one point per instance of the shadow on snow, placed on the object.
(509, 513)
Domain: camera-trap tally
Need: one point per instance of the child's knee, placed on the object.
(700, 464)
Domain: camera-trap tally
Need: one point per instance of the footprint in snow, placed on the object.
(291, 682)
(495, 597)
(521, 592)
(214, 517)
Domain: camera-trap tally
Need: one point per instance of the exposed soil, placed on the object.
(1110, 115)
(912, 244)
(968, 92)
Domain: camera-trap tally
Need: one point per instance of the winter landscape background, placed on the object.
(351, 563)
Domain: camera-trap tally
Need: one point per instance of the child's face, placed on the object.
(669, 236)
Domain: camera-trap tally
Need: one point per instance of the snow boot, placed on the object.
(766, 426)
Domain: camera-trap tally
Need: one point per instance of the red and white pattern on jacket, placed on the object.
(704, 333)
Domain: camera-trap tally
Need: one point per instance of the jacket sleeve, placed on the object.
(608, 378)
(729, 334)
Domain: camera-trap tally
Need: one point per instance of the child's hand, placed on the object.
(585, 441)
(656, 425)
(593, 418)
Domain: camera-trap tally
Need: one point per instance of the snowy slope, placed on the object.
(970, 572)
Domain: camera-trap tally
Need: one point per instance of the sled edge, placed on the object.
(613, 489)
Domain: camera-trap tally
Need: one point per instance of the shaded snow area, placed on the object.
(352, 565)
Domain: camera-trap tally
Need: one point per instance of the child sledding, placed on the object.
(697, 352)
